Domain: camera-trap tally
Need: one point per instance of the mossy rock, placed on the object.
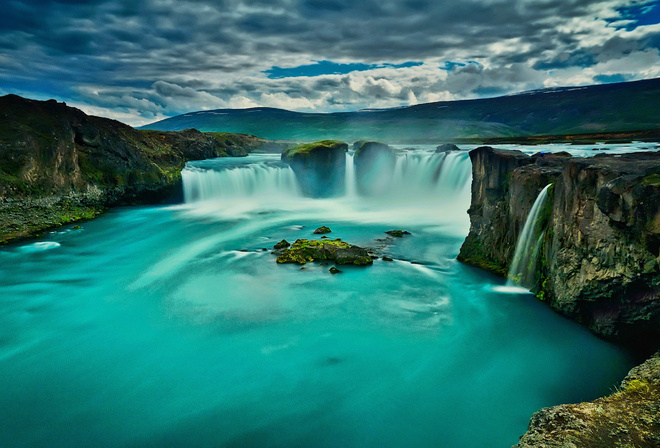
(319, 167)
(304, 251)
(322, 230)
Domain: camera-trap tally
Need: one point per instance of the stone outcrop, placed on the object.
(446, 147)
(599, 260)
(59, 165)
(319, 167)
(374, 167)
(304, 251)
(627, 418)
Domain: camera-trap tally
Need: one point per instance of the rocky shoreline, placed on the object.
(59, 165)
(627, 418)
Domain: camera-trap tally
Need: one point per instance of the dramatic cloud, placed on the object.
(139, 61)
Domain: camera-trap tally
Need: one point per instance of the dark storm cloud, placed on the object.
(162, 57)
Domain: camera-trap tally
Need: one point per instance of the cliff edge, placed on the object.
(59, 165)
(599, 260)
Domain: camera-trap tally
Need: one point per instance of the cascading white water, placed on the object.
(203, 183)
(431, 173)
(351, 181)
(522, 268)
(415, 175)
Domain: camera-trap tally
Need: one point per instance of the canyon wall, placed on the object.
(599, 260)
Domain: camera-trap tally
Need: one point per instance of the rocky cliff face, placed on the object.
(58, 164)
(630, 417)
(599, 262)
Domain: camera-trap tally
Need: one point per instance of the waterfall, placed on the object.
(523, 265)
(445, 174)
(417, 176)
(221, 178)
(351, 181)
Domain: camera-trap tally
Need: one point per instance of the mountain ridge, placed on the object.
(616, 107)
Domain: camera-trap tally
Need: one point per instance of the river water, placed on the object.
(171, 326)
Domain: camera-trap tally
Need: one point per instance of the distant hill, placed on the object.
(629, 106)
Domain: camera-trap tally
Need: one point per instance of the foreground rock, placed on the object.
(319, 167)
(374, 167)
(304, 251)
(630, 417)
(281, 245)
(599, 259)
(59, 165)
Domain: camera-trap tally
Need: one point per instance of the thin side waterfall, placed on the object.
(521, 272)
(351, 181)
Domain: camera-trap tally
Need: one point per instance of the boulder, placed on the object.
(397, 233)
(446, 147)
(282, 245)
(304, 251)
(322, 230)
(319, 167)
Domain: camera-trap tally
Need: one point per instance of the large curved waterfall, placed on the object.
(415, 173)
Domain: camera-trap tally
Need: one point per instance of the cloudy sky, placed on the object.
(141, 61)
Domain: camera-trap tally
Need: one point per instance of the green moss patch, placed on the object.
(305, 251)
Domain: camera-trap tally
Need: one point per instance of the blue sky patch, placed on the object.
(641, 15)
(609, 79)
(330, 68)
(449, 65)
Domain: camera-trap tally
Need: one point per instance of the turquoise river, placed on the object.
(171, 326)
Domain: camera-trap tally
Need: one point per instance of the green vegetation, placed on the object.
(473, 254)
(652, 180)
(58, 165)
(305, 251)
(307, 149)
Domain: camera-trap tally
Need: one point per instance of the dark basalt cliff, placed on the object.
(599, 261)
(59, 165)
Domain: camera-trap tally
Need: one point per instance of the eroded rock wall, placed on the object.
(599, 261)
